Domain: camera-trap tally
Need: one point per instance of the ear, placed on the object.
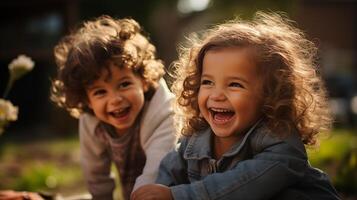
(89, 106)
(87, 103)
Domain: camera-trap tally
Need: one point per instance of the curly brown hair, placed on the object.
(82, 55)
(293, 92)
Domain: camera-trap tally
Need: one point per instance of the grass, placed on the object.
(50, 166)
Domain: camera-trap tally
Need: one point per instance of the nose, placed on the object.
(217, 94)
(116, 99)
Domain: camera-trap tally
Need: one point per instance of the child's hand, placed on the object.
(152, 191)
(14, 195)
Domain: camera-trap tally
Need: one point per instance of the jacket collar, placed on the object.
(199, 145)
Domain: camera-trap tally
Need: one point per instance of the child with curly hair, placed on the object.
(109, 74)
(250, 97)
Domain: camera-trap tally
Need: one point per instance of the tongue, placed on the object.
(223, 116)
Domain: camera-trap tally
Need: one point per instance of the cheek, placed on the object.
(142, 100)
(202, 101)
(199, 99)
(243, 105)
(95, 106)
(139, 98)
(253, 110)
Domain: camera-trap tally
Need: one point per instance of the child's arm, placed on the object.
(162, 142)
(172, 171)
(173, 168)
(251, 179)
(278, 166)
(157, 133)
(95, 160)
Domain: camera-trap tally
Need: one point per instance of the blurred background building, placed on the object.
(34, 27)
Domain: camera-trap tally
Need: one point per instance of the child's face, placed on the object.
(117, 99)
(230, 93)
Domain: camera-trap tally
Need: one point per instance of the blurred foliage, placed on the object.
(337, 156)
(50, 166)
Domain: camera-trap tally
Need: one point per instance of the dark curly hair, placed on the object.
(294, 96)
(82, 55)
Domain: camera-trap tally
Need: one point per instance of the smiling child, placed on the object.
(251, 98)
(109, 74)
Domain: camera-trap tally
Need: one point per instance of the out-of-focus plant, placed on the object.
(8, 112)
(338, 157)
(17, 68)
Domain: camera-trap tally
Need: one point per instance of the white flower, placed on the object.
(8, 112)
(20, 66)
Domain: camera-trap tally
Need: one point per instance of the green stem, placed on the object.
(8, 87)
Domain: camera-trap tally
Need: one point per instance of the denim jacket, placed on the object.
(260, 166)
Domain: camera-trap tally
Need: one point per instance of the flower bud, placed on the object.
(20, 66)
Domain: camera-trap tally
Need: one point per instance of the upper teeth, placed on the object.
(220, 110)
(119, 110)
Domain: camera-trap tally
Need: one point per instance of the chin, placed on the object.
(220, 133)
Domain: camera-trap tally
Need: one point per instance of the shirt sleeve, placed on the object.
(95, 160)
(158, 135)
(159, 146)
(278, 166)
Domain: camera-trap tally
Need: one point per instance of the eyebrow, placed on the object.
(238, 78)
(110, 77)
(91, 88)
(118, 78)
(124, 78)
(205, 76)
(229, 77)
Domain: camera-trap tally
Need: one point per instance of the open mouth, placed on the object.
(120, 113)
(220, 115)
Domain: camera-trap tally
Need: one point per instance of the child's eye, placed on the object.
(99, 92)
(206, 82)
(124, 84)
(236, 84)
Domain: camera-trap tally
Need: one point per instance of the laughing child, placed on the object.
(109, 74)
(251, 99)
